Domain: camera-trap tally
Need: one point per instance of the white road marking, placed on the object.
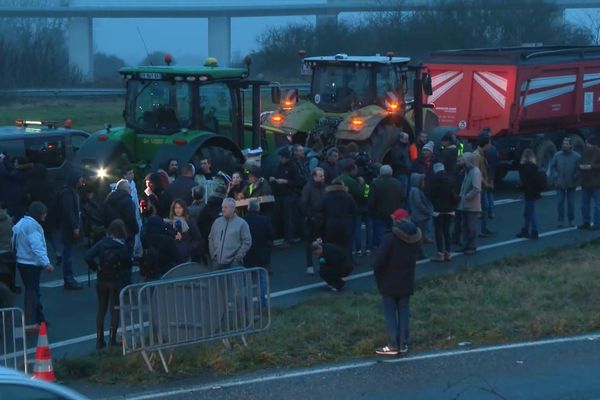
(321, 370)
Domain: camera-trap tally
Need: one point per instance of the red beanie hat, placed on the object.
(400, 214)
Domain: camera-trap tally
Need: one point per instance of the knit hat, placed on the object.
(429, 146)
(437, 167)
(400, 214)
(284, 152)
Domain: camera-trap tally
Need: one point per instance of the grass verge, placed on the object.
(554, 293)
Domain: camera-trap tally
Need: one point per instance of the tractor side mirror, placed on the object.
(427, 87)
(275, 95)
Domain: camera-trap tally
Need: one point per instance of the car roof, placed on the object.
(345, 58)
(17, 132)
(11, 376)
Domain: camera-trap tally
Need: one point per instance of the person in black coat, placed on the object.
(334, 264)
(209, 213)
(262, 234)
(339, 211)
(181, 187)
(155, 200)
(311, 201)
(394, 271)
(114, 264)
(444, 199)
(532, 185)
(160, 250)
(119, 205)
(69, 206)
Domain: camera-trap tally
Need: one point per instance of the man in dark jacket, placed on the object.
(330, 165)
(286, 185)
(160, 250)
(119, 205)
(385, 196)
(257, 185)
(590, 182)
(400, 160)
(262, 234)
(210, 213)
(339, 212)
(70, 225)
(394, 271)
(444, 198)
(311, 202)
(334, 264)
(181, 187)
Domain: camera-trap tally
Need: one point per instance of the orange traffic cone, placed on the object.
(42, 369)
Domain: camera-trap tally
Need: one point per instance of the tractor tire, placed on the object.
(544, 152)
(381, 141)
(577, 143)
(6, 297)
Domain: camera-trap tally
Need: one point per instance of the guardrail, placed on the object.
(96, 92)
(13, 345)
(175, 312)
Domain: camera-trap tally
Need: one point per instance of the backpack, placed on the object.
(150, 263)
(111, 264)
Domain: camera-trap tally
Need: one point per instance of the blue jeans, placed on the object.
(587, 196)
(286, 213)
(67, 262)
(30, 274)
(490, 202)
(569, 195)
(530, 216)
(379, 227)
(396, 312)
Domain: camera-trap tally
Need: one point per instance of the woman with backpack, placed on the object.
(114, 264)
(533, 182)
(187, 235)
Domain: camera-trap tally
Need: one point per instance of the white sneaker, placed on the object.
(310, 270)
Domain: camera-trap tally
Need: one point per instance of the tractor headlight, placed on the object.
(101, 173)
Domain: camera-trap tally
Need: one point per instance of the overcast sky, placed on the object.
(186, 39)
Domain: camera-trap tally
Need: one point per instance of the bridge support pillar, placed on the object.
(80, 44)
(219, 39)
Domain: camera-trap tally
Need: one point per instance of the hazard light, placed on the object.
(393, 107)
(277, 119)
(357, 122)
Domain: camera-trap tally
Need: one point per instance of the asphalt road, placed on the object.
(72, 314)
(561, 371)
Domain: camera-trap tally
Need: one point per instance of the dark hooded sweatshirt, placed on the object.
(396, 260)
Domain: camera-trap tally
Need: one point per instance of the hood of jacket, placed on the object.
(406, 231)
(416, 180)
(336, 188)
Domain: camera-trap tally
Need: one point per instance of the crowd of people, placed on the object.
(343, 206)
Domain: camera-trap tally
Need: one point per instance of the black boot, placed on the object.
(100, 339)
(112, 339)
(523, 234)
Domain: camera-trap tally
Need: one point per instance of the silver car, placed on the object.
(15, 385)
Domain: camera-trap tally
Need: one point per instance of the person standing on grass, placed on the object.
(114, 271)
(564, 174)
(590, 183)
(32, 258)
(394, 271)
(532, 184)
(470, 203)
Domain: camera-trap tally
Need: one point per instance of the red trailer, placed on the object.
(526, 96)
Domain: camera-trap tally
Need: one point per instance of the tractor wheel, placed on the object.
(543, 153)
(221, 159)
(577, 143)
(381, 141)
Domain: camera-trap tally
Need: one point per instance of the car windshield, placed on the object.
(341, 88)
(158, 106)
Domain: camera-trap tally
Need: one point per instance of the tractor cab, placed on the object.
(343, 83)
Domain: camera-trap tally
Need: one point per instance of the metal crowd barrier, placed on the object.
(13, 346)
(175, 312)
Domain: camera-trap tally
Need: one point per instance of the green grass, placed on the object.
(87, 113)
(555, 293)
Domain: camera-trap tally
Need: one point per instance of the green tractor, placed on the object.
(363, 99)
(183, 113)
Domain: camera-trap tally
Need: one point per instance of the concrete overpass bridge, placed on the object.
(81, 13)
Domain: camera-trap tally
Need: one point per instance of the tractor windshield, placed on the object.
(158, 106)
(341, 88)
(218, 108)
